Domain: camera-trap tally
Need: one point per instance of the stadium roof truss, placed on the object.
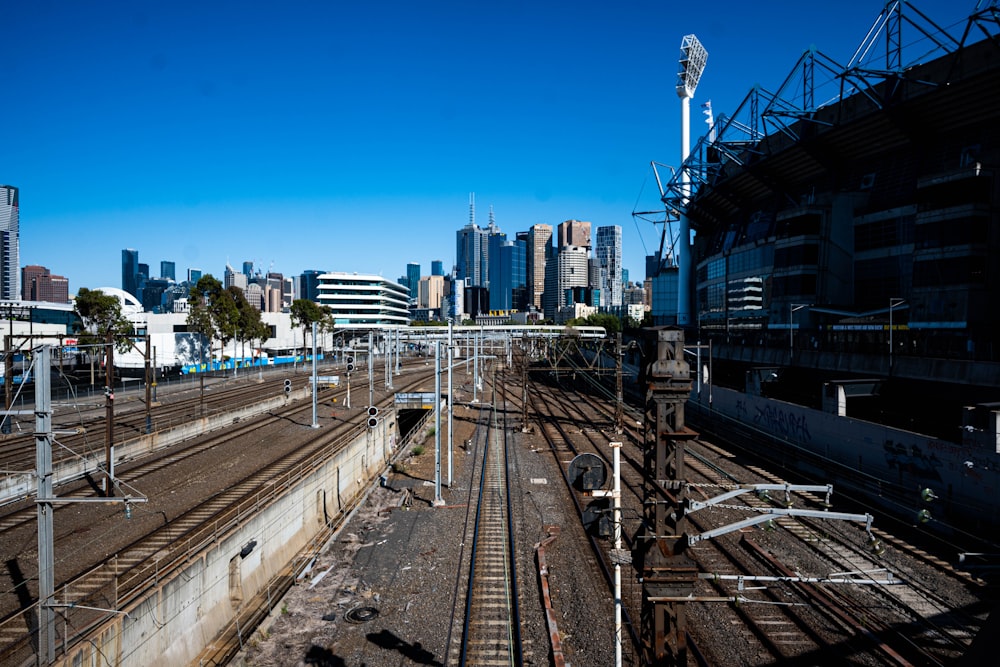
(767, 122)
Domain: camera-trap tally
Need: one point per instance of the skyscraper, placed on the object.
(539, 247)
(495, 240)
(10, 243)
(609, 255)
(194, 275)
(437, 267)
(472, 249)
(167, 270)
(508, 286)
(574, 232)
(413, 279)
(572, 271)
(469, 254)
(130, 271)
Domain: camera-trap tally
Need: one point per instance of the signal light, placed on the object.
(288, 387)
(350, 368)
(372, 411)
(372, 422)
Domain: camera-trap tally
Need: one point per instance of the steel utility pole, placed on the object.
(149, 388)
(438, 500)
(315, 379)
(46, 531)
(371, 372)
(45, 502)
(450, 403)
(109, 416)
(659, 551)
(619, 392)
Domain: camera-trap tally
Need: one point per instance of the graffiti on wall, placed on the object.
(911, 461)
(781, 422)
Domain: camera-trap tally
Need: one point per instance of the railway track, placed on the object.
(490, 617)
(785, 622)
(133, 569)
(82, 421)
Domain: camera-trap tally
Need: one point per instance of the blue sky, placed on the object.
(348, 136)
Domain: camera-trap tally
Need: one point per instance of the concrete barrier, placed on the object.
(182, 613)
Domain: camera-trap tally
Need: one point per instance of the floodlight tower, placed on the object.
(692, 64)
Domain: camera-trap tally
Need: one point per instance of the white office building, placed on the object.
(364, 300)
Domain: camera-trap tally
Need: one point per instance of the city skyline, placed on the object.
(327, 148)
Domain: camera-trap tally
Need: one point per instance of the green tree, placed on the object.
(610, 322)
(250, 327)
(100, 316)
(304, 312)
(199, 319)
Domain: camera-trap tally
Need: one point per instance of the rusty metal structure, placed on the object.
(667, 573)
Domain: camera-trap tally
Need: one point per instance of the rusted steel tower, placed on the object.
(667, 574)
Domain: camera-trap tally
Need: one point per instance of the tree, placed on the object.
(226, 315)
(199, 319)
(304, 312)
(101, 314)
(100, 318)
(249, 325)
(610, 322)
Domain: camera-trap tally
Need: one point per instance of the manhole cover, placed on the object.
(361, 615)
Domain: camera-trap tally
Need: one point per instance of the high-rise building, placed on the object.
(472, 250)
(509, 286)
(275, 284)
(28, 275)
(430, 292)
(151, 294)
(38, 284)
(413, 279)
(572, 271)
(308, 284)
(495, 240)
(248, 269)
(575, 233)
(167, 270)
(437, 267)
(539, 247)
(194, 275)
(230, 278)
(10, 243)
(130, 271)
(609, 254)
(254, 294)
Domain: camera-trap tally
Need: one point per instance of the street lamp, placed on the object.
(792, 307)
(893, 302)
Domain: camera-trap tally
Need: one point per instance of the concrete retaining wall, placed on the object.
(184, 613)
